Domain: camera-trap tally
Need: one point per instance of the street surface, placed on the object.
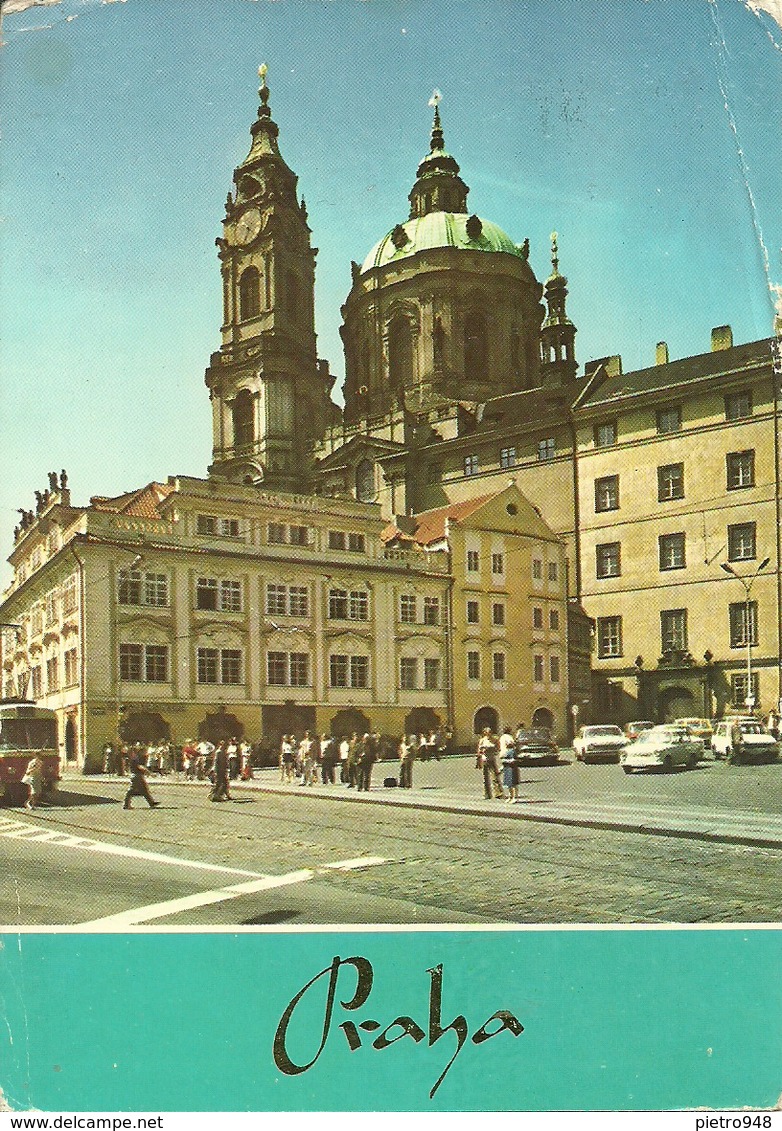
(577, 850)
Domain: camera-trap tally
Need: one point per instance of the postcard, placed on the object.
(390, 630)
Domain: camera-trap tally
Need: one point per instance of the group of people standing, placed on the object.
(495, 753)
(312, 757)
(329, 758)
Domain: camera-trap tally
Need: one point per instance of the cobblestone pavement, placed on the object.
(275, 858)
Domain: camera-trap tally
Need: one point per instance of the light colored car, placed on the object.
(699, 727)
(635, 729)
(599, 743)
(755, 744)
(663, 748)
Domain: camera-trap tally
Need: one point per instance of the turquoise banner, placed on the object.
(581, 1020)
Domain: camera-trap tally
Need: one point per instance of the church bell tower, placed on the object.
(269, 392)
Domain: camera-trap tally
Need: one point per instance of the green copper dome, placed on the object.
(440, 229)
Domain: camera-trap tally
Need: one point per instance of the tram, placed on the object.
(26, 731)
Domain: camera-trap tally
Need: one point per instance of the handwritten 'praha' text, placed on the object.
(502, 1021)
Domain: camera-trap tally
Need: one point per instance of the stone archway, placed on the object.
(542, 717)
(486, 717)
(676, 703)
(422, 720)
(145, 727)
(278, 719)
(220, 726)
(349, 721)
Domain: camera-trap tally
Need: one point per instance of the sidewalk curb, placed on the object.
(513, 813)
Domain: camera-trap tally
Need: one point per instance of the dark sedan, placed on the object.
(536, 747)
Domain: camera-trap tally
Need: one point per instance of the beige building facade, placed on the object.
(201, 608)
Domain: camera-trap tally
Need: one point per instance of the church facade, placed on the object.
(485, 532)
(663, 484)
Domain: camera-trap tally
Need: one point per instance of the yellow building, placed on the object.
(198, 607)
(508, 610)
(678, 500)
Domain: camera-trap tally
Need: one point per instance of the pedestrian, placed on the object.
(189, 756)
(287, 758)
(487, 759)
(344, 753)
(245, 760)
(510, 765)
(308, 756)
(354, 757)
(219, 790)
(329, 756)
(108, 758)
(33, 780)
(205, 750)
(232, 750)
(138, 778)
(406, 759)
(366, 760)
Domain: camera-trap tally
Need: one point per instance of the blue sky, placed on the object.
(633, 127)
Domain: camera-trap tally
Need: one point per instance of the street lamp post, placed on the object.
(747, 582)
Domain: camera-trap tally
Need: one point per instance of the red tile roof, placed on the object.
(143, 503)
(430, 525)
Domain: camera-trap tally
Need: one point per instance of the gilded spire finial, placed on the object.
(555, 252)
(263, 89)
(437, 129)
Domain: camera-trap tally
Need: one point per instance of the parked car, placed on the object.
(603, 743)
(663, 748)
(536, 747)
(633, 730)
(755, 743)
(699, 727)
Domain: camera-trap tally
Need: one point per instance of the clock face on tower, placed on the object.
(247, 227)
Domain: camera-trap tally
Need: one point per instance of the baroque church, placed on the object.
(484, 532)
(460, 374)
(445, 315)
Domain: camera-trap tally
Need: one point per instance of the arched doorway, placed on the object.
(219, 727)
(485, 717)
(145, 727)
(675, 703)
(287, 718)
(422, 720)
(71, 738)
(542, 717)
(349, 721)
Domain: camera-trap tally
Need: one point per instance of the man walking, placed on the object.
(219, 791)
(138, 779)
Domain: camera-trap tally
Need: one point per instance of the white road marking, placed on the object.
(358, 862)
(138, 915)
(20, 830)
(200, 899)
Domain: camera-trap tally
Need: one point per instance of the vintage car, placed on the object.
(599, 743)
(636, 728)
(663, 748)
(536, 747)
(701, 728)
(754, 744)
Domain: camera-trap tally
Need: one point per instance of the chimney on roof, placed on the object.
(721, 338)
(612, 366)
(661, 354)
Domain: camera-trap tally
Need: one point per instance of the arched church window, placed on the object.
(475, 346)
(249, 293)
(244, 419)
(400, 354)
